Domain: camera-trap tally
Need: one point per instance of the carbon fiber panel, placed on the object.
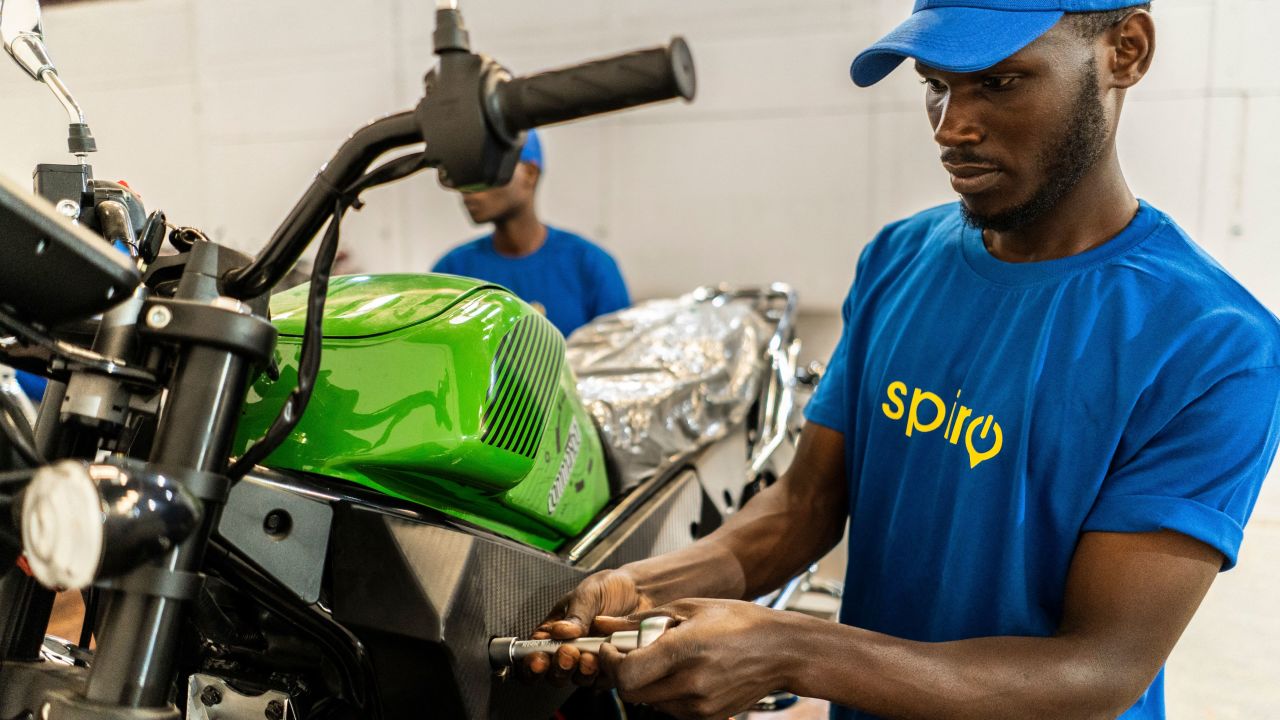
(450, 588)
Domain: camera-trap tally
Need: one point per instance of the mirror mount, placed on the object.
(23, 36)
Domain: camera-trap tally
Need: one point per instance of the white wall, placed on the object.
(220, 111)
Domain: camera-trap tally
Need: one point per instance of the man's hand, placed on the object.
(740, 559)
(719, 658)
(609, 592)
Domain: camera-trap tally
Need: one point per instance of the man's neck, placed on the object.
(1094, 211)
(519, 235)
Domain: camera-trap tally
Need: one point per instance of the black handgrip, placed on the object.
(599, 86)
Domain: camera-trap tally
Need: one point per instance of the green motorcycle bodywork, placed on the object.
(443, 391)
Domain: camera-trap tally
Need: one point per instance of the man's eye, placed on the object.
(933, 85)
(998, 82)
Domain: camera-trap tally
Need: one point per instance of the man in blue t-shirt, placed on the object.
(1046, 423)
(564, 275)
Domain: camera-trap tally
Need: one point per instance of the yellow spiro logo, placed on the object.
(980, 425)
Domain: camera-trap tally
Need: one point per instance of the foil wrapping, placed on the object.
(666, 377)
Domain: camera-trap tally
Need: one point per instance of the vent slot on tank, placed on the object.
(523, 381)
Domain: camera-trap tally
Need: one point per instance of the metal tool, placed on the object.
(507, 651)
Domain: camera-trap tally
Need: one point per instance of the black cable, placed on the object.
(14, 477)
(13, 422)
(90, 617)
(74, 356)
(309, 362)
(10, 536)
(312, 336)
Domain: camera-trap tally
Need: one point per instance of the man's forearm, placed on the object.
(758, 549)
(700, 570)
(980, 678)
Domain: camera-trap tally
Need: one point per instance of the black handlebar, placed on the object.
(600, 86)
(316, 204)
(471, 120)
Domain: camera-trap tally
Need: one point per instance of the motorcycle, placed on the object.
(326, 502)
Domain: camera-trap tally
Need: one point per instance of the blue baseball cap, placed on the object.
(967, 35)
(532, 151)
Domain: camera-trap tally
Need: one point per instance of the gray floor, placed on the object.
(1227, 665)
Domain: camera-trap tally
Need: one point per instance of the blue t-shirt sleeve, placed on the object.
(829, 405)
(445, 265)
(610, 289)
(32, 385)
(1200, 474)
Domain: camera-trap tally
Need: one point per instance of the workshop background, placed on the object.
(220, 111)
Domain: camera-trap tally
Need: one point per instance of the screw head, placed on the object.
(159, 316)
(278, 523)
(275, 710)
(68, 208)
(210, 696)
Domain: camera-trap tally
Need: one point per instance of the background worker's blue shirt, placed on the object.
(32, 385)
(993, 412)
(571, 277)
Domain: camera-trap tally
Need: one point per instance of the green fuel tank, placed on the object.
(444, 391)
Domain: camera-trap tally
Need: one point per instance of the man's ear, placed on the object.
(1131, 45)
(527, 175)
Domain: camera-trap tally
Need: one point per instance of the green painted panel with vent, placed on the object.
(444, 391)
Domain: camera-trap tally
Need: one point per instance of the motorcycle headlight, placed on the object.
(83, 522)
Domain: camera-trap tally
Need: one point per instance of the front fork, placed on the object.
(219, 340)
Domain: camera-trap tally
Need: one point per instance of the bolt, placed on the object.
(275, 710)
(68, 208)
(277, 524)
(210, 696)
(159, 316)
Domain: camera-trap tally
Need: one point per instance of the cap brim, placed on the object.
(956, 39)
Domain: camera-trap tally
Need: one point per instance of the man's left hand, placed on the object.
(719, 658)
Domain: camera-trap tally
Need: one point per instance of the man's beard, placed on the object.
(1065, 162)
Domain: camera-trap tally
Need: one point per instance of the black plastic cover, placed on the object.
(53, 269)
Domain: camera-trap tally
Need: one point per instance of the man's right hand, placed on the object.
(741, 559)
(608, 592)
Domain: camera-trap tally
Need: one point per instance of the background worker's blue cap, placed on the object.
(967, 35)
(532, 151)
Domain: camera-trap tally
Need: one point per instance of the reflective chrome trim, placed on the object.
(620, 512)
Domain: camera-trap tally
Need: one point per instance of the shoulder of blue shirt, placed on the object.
(558, 240)
(1205, 290)
(573, 242)
(1203, 293)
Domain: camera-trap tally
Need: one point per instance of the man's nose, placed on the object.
(959, 124)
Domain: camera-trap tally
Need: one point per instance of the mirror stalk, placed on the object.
(23, 36)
